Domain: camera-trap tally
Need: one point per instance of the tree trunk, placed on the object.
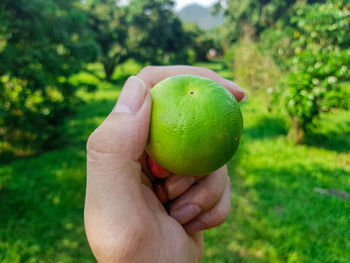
(108, 67)
(298, 132)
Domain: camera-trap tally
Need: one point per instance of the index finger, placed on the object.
(151, 75)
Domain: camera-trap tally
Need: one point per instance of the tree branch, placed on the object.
(333, 192)
(94, 74)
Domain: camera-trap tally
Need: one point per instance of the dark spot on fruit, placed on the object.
(191, 92)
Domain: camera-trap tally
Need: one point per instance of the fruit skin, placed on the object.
(156, 169)
(196, 125)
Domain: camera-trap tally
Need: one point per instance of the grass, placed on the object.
(276, 216)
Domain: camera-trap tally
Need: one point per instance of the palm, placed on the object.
(169, 237)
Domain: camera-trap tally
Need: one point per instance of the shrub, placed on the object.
(42, 43)
(321, 61)
(252, 68)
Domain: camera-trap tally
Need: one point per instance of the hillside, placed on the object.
(200, 15)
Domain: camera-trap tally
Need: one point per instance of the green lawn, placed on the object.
(276, 215)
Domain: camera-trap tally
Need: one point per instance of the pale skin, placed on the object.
(124, 219)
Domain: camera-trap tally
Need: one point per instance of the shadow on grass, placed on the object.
(77, 128)
(266, 127)
(339, 142)
(332, 132)
(276, 217)
(41, 202)
(42, 198)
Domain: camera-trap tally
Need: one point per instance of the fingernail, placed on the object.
(185, 213)
(179, 184)
(194, 226)
(237, 87)
(246, 97)
(132, 96)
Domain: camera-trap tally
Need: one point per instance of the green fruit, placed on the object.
(196, 125)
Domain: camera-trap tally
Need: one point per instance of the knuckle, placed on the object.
(109, 138)
(215, 194)
(210, 190)
(211, 194)
(222, 215)
(216, 217)
(91, 141)
(96, 142)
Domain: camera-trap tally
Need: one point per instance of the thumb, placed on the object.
(125, 131)
(114, 197)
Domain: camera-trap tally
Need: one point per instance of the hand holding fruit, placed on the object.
(125, 222)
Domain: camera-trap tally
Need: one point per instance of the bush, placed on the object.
(338, 97)
(321, 61)
(201, 42)
(252, 68)
(42, 43)
(277, 42)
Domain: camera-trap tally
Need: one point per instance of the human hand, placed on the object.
(124, 220)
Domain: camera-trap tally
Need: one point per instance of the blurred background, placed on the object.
(63, 63)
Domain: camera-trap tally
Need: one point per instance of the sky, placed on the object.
(181, 3)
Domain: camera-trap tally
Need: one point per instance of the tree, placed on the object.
(147, 31)
(42, 43)
(253, 68)
(158, 32)
(110, 26)
(309, 41)
(251, 17)
(321, 61)
(202, 41)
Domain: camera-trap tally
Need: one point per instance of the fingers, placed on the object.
(213, 217)
(201, 197)
(176, 184)
(160, 192)
(145, 168)
(199, 205)
(151, 75)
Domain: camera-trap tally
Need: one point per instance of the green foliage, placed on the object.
(158, 33)
(147, 31)
(313, 77)
(322, 59)
(109, 23)
(251, 68)
(201, 42)
(278, 43)
(338, 98)
(42, 43)
(309, 41)
(251, 17)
